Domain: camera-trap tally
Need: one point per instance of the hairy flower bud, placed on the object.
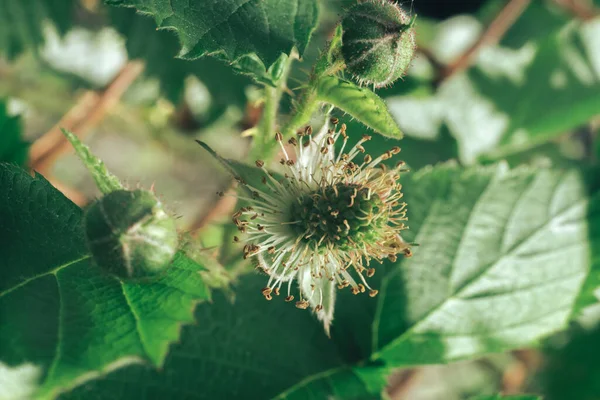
(130, 235)
(378, 42)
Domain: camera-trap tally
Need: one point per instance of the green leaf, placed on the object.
(570, 369)
(359, 102)
(496, 247)
(251, 349)
(158, 48)
(62, 313)
(22, 24)
(105, 181)
(514, 100)
(233, 29)
(12, 147)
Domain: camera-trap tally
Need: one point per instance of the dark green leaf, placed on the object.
(12, 147)
(232, 28)
(62, 313)
(158, 48)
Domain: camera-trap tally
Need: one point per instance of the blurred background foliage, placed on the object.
(529, 92)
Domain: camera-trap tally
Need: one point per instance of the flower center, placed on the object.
(344, 215)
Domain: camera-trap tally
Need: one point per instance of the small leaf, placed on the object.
(62, 313)
(360, 102)
(249, 174)
(230, 29)
(12, 147)
(105, 181)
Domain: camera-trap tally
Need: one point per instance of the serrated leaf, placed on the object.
(22, 24)
(359, 102)
(251, 349)
(158, 48)
(62, 313)
(12, 147)
(105, 181)
(502, 259)
(232, 28)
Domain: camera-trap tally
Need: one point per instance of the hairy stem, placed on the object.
(268, 121)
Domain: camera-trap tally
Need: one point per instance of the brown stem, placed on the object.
(492, 35)
(401, 382)
(87, 113)
(579, 9)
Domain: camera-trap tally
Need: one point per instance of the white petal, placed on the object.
(318, 291)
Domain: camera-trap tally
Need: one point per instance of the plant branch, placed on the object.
(268, 121)
(87, 113)
(579, 9)
(492, 35)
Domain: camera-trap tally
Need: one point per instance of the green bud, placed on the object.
(378, 42)
(130, 235)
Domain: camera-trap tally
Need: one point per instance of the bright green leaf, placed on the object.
(62, 313)
(496, 247)
(233, 28)
(359, 102)
(12, 147)
(105, 181)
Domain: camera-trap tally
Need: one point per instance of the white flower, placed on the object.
(325, 220)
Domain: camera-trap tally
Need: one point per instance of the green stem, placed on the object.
(267, 124)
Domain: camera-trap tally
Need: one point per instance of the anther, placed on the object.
(308, 130)
(260, 163)
(368, 159)
(361, 287)
(302, 304)
(289, 298)
(355, 290)
(370, 272)
(318, 308)
(236, 239)
(293, 141)
(373, 293)
(220, 194)
(278, 136)
(276, 291)
(335, 121)
(395, 150)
